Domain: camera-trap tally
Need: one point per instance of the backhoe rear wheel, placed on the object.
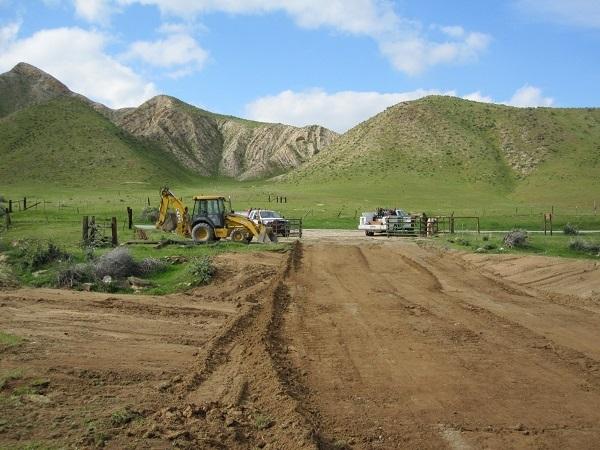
(203, 232)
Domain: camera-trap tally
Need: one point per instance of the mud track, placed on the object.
(400, 346)
(338, 344)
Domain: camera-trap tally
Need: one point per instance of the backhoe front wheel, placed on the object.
(239, 235)
(203, 232)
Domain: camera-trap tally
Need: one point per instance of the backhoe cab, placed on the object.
(210, 221)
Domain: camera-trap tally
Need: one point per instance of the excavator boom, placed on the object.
(167, 221)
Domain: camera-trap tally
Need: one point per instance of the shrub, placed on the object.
(149, 214)
(149, 266)
(35, 254)
(516, 238)
(202, 269)
(123, 417)
(581, 245)
(570, 230)
(76, 274)
(117, 263)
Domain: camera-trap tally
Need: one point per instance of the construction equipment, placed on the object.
(209, 220)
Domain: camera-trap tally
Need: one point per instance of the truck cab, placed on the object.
(273, 219)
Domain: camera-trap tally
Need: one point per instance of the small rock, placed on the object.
(188, 411)
(107, 279)
(519, 427)
(178, 434)
(38, 399)
(176, 379)
(231, 422)
(86, 287)
(140, 282)
(164, 386)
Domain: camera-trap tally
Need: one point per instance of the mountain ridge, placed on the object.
(206, 143)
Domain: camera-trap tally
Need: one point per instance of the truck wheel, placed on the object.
(203, 232)
(238, 235)
(369, 233)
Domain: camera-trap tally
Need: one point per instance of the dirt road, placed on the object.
(405, 347)
(341, 343)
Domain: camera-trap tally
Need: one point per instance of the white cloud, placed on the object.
(341, 111)
(8, 34)
(402, 41)
(527, 96)
(477, 96)
(77, 58)
(416, 54)
(338, 111)
(584, 13)
(95, 11)
(454, 31)
(179, 52)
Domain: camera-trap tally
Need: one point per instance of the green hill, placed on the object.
(66, 142)
(449, 147)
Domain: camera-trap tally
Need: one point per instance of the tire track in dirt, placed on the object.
(429, 347)
(243, 393)
(578, 361)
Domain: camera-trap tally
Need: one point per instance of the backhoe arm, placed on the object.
(168, 201)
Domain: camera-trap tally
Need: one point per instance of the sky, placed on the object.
(300, 62)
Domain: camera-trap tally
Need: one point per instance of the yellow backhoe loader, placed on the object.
(209, 221)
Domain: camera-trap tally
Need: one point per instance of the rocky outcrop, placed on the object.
(26, 85)
(216, 145)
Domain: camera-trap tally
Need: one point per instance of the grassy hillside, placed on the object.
(451, 147)
(65, 142)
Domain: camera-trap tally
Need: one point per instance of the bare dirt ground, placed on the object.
(345, 342)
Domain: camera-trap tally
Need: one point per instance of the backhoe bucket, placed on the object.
(266, 236)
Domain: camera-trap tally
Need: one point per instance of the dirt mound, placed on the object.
(190, 371)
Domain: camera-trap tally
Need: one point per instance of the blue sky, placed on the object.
(306, 61)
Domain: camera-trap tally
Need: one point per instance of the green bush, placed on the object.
(516, 238)
(581, 245)
(35, 254)
(202, 269)
(570, 230)
(149, 214)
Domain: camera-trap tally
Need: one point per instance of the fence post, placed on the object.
(478, 227)
(10, 206)
(452, 223)
(130, 217)
(113, 229)
(92, 235)
(8, 222)
(85, 229)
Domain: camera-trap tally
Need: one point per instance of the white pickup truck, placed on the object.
(377, 222)
(273, 219)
